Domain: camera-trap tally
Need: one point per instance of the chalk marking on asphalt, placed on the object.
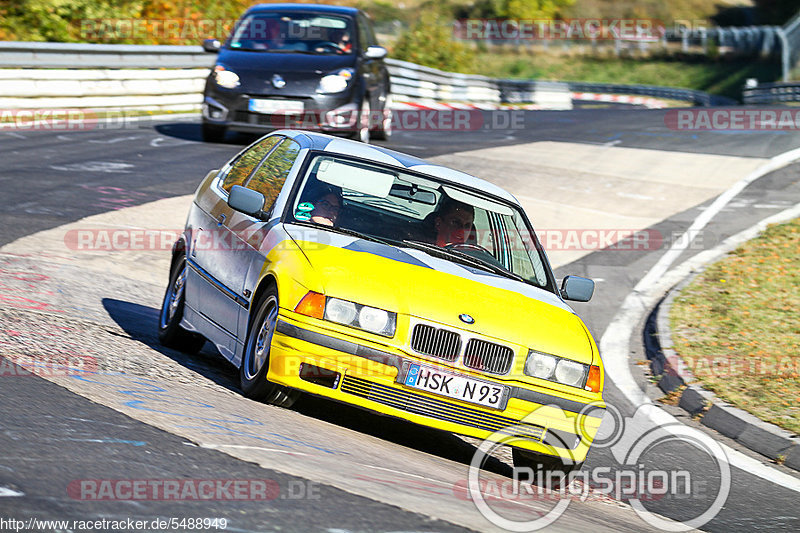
(615, 343)
(212, 446)
(115, 140)
(5, 492)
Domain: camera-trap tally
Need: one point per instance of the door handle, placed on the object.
(221, 220)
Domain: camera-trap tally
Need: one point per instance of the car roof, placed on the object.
(378, 154)
(305, 8)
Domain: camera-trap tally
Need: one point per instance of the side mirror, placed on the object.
(375, 52)
(247, 201)
(212, 45)
(577, 289)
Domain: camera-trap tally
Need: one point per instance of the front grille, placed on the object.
(441, 410)
(437, 342)
(488, 356)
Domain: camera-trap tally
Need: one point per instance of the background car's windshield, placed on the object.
(409, 210)
(294, 32)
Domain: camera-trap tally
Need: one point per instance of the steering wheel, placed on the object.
(329, 44)
(465, 247)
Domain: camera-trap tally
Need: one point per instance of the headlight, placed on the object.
(570, 373)
(540, 365)
(545, 366)
(348, 313)
(335, 83)
(225, 78)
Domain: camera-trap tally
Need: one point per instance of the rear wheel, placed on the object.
(170, 332)
(547, 469)
(255, 362)
(213, 133)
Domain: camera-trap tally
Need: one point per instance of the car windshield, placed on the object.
(310, 33)
(424, 213)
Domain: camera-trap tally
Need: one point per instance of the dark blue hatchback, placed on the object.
(302, 66)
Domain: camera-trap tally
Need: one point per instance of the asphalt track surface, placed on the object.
(53, 178)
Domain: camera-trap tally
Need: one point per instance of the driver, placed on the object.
(453, 223)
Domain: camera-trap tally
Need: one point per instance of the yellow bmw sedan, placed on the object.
(321, 265)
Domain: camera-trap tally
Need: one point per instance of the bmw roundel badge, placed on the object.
(278, 81)
(466, 318)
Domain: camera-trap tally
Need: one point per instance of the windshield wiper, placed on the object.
(464, 258)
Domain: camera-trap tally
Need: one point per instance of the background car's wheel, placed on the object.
(170, 332)
(255, 361)
(363, 122)
(384, 130)
(547, 463)
(213, 133)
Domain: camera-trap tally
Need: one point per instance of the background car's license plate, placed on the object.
(454, 385)
(277, 107)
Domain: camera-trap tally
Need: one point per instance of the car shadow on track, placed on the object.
(140, 323)
(191, 131)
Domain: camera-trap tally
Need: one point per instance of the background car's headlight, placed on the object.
(553, 368)
(226, 78)
(360, 316)
(335, 83)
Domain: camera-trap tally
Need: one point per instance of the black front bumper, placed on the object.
(328, 113)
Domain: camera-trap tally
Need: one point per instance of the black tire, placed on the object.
(384, 130)
(255, 360)
(543, 464)
(170, 332)
(213, 133)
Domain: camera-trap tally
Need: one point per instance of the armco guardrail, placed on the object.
(770, 93)
(107, 76)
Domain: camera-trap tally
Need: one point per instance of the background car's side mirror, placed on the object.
(211, 45)
(375, 52)
(577, 289)
(247, 201)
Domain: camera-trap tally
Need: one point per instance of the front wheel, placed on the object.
(170, 332)
(363, 122)
(384, 130)
(255, 361)
(213, 133)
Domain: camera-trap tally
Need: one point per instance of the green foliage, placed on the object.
(430, 42)
(57, 20)
(513, 9)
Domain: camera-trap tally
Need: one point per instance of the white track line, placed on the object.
(615, 342)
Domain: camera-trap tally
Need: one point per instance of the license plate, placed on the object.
(275, 107)
(454, 386)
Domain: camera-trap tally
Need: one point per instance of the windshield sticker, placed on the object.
(302, 215)
(305, 206)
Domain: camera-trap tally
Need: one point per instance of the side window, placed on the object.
(246, 162)
(268, 179)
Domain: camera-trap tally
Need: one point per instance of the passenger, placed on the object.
(327, 204)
